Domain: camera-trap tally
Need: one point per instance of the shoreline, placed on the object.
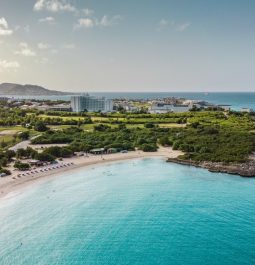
(12, 184)
(245, 170)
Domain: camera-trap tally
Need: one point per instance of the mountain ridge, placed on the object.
(12, 89)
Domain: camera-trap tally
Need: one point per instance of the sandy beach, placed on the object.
(16, 183)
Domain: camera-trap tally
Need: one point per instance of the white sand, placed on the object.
(14, 183)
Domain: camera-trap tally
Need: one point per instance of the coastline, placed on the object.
(246, 170)
(12, 184)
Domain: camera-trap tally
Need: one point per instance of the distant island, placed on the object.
(10, 89)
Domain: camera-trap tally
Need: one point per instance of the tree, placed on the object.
(101, 127)
(24, 135)
(21, 166)
(149, 125)
(3, 162)
(53, 151)
(149, 148)
(45, 157)
(21, 153)
(9, 154)
(165, 141)
(3, 144)
(40, 126)
(66, 152)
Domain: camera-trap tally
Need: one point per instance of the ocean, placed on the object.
(237, 100)
(131, 212)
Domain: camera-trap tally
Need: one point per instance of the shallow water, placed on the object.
(133, 212)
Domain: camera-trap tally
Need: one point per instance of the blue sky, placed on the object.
(116, 45)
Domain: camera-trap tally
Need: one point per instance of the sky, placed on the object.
(132, 45)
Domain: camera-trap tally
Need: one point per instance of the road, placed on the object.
(23, 144)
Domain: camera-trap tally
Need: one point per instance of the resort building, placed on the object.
(159, 108)
(247, 110)
(91, 104)
(97, 151)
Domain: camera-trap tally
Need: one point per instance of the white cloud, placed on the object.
(43, 46)
(182, 27)
(25, 28)
(54, 6)
(4, 28)
(85, 23)
(163, 23)
(9, 65)
(25, 50)
(39, 5)
(69, 46)
(88, 12)
(105, 21)
(49, 20)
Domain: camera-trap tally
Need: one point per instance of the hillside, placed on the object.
(10, 89)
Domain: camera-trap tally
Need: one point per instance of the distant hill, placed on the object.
(10, 89)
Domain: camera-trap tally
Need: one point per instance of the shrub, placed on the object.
(45, 157)
(149, 148)
(165, 141)
(5, 171)
(21, 166)
(149, 125)
(24, 135)
(40, 126)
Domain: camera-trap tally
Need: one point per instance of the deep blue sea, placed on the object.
(237, 100)
(133, 212)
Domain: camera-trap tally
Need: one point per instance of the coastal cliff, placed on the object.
(244, 170)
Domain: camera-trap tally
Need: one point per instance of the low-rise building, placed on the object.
(60, 107)
(97, 151)
(159, 108)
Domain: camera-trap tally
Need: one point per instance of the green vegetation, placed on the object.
(216, 144)
(104, 136)
(40, 126)
(5, 159)
(207, 136)
(21, 166)
(202, 135)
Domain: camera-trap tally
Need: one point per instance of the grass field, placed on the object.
(9, 135)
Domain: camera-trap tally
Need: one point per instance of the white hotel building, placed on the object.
(91, 104)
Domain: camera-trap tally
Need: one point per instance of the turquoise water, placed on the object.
(133, 212)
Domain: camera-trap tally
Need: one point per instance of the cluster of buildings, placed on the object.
(87, 103)
(181, 105)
